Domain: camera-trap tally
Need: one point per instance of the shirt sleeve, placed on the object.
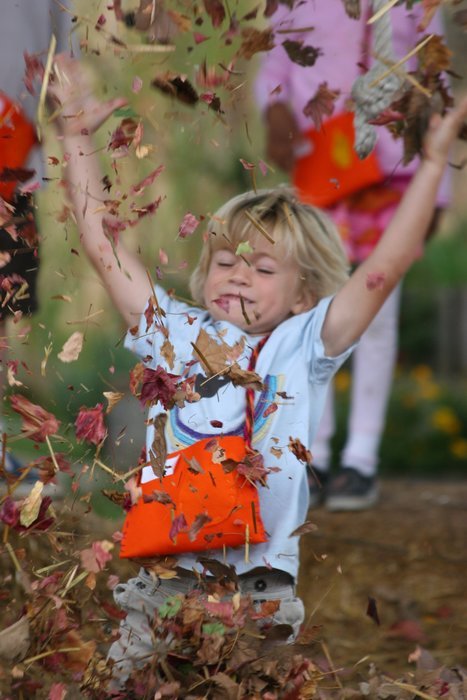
(323, 367)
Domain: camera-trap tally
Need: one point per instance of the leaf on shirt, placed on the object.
(303, 529)
(353, 9)
(147, 181)
(158, 451)
(199, 522)
(245, 378)
(299, 450)
(168, 352)
(214, 356)
(429, 10)
(300, 53)
(321, 104)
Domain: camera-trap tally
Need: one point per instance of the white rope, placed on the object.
(371, 101)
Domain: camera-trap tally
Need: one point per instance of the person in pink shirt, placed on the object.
(283, 89)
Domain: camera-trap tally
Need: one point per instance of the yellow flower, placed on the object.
(445, 420)
(458, 448)
(422, 373)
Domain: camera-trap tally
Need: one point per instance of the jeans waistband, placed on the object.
(268, 585)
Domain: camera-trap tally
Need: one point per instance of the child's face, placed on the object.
(255, 291)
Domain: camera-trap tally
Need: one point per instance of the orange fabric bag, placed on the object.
(222, 502)
(332, 169)
(17, 137)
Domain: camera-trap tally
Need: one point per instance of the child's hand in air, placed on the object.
(70, 94)
(442, 132)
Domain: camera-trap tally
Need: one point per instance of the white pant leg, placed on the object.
(321, 447)
(372, 372)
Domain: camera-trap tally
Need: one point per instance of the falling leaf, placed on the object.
(372, 610)
(299, 450)
(303, 529)
(38, 423)
(147, 181)
(188, 226)
(321, 104)
(301, 54)
(255, 40)
(177, 87)
(245, 378)
(136, 84)
(270, 409)
(158, 386)
(95, 558)
(31, 506)
(72, 348)
(168, 352)
(216, 356)
(158, 451)
(113, 398)
(179, 524)
(243, 248)
(90, 426)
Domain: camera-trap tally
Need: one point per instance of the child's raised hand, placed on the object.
(75, 107)
(442, 132)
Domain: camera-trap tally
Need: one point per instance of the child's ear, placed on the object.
(305, 300)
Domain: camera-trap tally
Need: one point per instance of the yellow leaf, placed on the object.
(31, 506)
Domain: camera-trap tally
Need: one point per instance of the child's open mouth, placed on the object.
(225, 300)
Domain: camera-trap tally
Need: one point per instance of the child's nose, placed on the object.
(241, 273)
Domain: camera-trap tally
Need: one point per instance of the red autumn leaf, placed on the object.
(199, 522)
(253, 468)
(188, 225)
(147, 181)
(272, 408)
(96, 557)
(321, 104)
(34, 72)
(89, 424)
(158, 385)
(37, 422)
(216, 423)
(216, 11)
(299, 450)
(123, 135)
(179, 524)
(301, 54)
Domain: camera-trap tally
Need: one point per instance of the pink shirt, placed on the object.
(341, 41)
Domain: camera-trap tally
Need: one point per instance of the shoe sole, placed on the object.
(352, 503)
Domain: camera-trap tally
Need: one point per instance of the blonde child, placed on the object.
(289, 287)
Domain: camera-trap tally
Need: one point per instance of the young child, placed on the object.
(285, 290)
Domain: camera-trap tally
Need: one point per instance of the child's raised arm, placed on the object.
(80, 115)
(359, 300)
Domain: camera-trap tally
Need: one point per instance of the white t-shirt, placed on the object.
(291, 362)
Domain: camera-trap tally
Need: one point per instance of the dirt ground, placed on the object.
(409, 554)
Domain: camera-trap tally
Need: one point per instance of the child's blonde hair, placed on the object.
(308, 235)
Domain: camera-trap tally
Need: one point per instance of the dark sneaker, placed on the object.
(317, 481)
(350, 490)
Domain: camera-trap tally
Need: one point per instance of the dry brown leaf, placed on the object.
(302, 529)
(245, 378)
(72, 348)
(255, 40)
(321, 104)
(353, 9)
(214, 356)
(158, 451)
(435, 56)
(168, 353)
(113, 398)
